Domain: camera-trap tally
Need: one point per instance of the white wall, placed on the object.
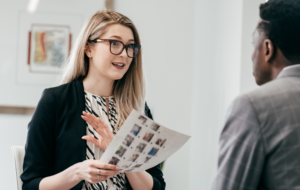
(216, 72)
(166, 30)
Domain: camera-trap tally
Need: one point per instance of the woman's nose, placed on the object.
(124, 53)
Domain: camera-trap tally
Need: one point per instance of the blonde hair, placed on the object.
(129, 92)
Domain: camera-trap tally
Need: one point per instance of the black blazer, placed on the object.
(54, 136)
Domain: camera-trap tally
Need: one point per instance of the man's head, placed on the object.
(276, 39)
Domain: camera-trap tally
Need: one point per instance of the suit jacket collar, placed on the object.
(290, 71)
(80, 93)
(81, 107)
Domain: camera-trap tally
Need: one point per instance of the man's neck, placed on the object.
(279, 63)
(276, 71)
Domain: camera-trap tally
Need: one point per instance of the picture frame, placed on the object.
(48, 47)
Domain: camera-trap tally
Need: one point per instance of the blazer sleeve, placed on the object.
(241, 149)
(156, 173)
(39, 148)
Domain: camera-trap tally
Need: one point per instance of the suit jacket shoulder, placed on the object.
(261, 137)
(56, 118)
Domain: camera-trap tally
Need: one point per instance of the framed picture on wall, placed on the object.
(44, 43)
(22, 78)
(48, 47)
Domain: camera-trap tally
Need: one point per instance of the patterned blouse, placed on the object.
(96, 105)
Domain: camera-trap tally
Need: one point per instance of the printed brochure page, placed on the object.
(141, 143)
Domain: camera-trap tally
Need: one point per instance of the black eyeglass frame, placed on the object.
(124, 46)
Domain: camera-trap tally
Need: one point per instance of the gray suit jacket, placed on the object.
(260, 142)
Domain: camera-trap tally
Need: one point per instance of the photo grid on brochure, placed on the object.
(142, 143)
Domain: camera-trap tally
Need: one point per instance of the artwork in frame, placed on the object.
(23, 87)
(48, 47)
(44, 41)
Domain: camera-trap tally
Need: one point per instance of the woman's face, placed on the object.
(105, 64)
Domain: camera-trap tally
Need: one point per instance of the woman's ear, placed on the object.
(87, 50)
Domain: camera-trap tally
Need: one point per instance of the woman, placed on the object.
(103, 78)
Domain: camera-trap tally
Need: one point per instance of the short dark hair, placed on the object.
(281, 24)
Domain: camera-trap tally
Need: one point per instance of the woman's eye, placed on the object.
(115, 43)
(130, 46)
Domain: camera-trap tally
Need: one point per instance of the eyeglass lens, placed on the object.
(117, 47)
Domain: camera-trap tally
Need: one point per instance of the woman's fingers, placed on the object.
(95, 122)
(103, 166)
(96, 167)
(108, 172)
(95, 171)
(99, 125)
(98, 178)
(105, 134)
(100, 132)
(95, 141)
(91, 118)
(91, 139)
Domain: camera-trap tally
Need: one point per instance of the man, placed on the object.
(260, 142)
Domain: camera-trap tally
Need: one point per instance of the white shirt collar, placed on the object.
(290, 67)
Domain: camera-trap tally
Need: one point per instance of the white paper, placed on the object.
(141, 144)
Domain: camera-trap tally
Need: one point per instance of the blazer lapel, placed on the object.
(81, 107)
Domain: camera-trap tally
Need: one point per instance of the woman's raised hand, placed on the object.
(105, 135)
(95, 171)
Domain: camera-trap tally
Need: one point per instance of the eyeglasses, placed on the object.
(117, 47)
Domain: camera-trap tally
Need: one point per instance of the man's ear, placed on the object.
(269, 50)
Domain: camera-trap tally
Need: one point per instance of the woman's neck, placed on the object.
(98, 85)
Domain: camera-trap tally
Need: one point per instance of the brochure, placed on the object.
(142, 143)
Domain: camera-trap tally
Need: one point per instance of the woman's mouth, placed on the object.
(119, 65)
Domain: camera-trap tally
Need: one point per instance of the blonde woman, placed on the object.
(75, 122)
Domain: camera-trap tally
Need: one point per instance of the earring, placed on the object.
(90, 55)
